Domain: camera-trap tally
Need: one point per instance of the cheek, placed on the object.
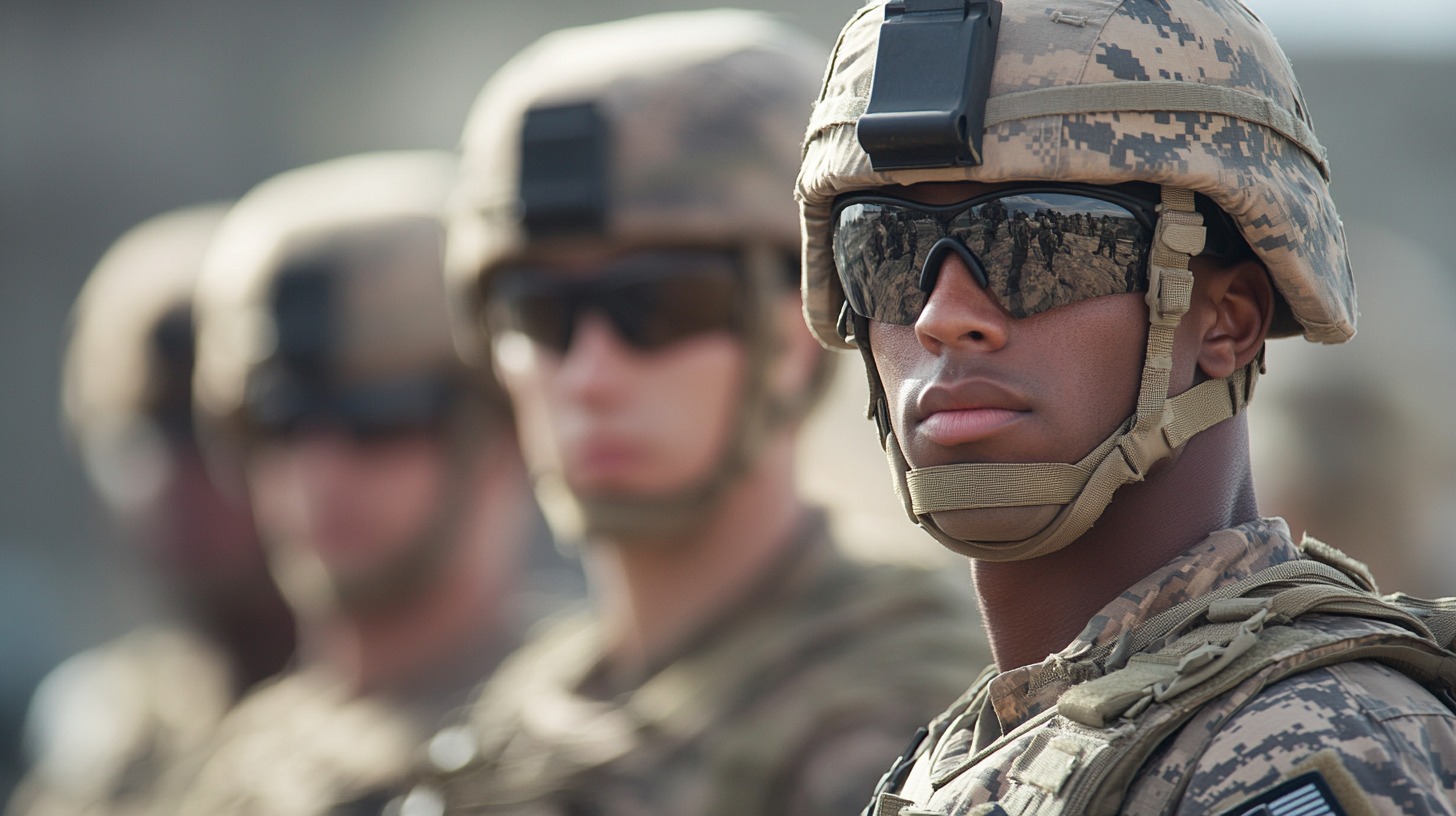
(354, 496)
(400, 486)
(1096, 358)
(697, 395)
(900, 360)
(527, 381)
(274, 490)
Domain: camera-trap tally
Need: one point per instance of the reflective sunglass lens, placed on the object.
(651, 300)
(1031, 251)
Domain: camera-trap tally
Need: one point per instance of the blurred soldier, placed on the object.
(627, 239)
(385, 481)
(1020, 234)
(1107, 239)
(1159, 647)
(109, 723)
(993, 216)
(1046, 241)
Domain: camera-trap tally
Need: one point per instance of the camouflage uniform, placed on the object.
(1046, 241)
(112, 722)
(1395, 739)
(309, 744)
(786, 703)
(1107, 239)
(1020, 247)
(1144, 714)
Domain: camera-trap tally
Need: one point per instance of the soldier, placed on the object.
(108, 724)
(385, 480)
(629, 245)
(1107, 238)
(994, 215)
(1046, 241)
(1019, 232)
(1159, 647)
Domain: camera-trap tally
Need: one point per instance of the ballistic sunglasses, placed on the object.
(652, 298)
(282, 403)
(1032, 248)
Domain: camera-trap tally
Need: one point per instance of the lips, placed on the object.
(600, 459)
(967, 411)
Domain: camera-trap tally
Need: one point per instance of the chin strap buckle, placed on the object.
(1179, 236)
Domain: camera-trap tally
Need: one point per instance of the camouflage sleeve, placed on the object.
(1367, 728)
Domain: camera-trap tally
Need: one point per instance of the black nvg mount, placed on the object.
(932, 76)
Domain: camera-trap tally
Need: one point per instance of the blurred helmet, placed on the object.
(324, 296)
(127, 375)
(322, 300)
(1192, 95)
(671, 130)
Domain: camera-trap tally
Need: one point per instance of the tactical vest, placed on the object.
(1153, 679)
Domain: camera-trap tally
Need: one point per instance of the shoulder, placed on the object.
(1359, 723)
(554, 653)
(894, 599)
(864, 629)
(855, 678)
(296, 705)
(300, 744)
(103, 713)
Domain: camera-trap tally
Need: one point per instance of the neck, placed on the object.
(1206, 487)
(655, 594)
(401, 649)
(449, 630)
(257, 634)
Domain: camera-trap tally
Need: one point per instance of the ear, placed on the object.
(1236, 306)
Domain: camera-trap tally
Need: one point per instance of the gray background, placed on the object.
(112, 112)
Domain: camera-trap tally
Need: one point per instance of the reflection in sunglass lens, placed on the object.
(1037, 250)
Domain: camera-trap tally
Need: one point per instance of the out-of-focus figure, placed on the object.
(385, 480)
(110, 723)
(1354, 445)
(626, 248)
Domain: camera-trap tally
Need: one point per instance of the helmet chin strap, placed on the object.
(1010, 512)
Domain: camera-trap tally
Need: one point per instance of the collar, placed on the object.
(1224, 557)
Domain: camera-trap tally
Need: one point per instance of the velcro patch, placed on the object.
(890, 805)
(1305, 795)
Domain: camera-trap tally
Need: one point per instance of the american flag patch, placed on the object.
(1305, 795)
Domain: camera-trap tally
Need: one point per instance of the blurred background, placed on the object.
(113, 112)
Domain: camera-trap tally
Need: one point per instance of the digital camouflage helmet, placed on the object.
(323, 301)
(1192, 95)
(676, 130)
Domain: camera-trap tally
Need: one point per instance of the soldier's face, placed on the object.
(967, 382)
(614, 419)
(355, 505)
(200, 538)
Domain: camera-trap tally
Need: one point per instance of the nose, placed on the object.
(320, 460)
(959, 312)
(594, 366)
